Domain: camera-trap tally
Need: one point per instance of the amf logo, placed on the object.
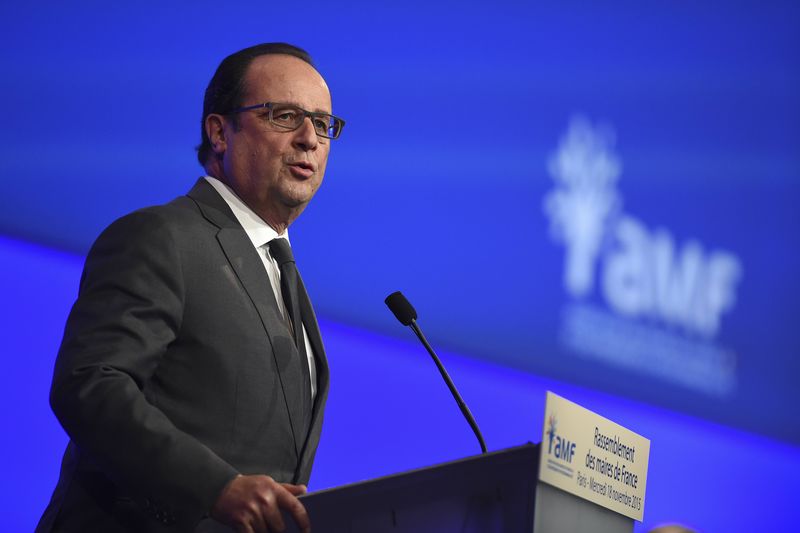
(664, 300)
(557, 446)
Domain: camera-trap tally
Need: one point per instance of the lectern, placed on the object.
(495, 492)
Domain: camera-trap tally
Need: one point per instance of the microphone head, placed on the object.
(401, 308)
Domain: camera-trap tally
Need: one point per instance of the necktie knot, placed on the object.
(281, 251)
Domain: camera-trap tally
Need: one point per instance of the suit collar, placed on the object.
(259, 231)
(212, 206)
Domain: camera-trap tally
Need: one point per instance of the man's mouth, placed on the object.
(303, 169)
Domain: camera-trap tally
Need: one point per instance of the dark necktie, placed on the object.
(290, 289)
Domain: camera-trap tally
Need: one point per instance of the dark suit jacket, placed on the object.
(176, 372)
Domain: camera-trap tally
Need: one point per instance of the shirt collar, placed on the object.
(259, 232)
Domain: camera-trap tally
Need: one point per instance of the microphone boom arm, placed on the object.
(459, 400)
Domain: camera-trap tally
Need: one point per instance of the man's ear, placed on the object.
(215, 129)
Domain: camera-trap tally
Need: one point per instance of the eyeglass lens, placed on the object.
(292, 117)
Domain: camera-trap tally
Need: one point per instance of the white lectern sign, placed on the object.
(593, 458)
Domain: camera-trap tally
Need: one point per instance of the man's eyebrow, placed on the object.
(317, 110)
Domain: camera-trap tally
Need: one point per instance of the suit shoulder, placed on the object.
(159, 220)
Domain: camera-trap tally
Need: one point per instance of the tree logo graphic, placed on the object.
(585, 170)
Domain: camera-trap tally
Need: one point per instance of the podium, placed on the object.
(591, 479)
(493, 492)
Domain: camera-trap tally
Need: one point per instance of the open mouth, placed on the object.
(304, 164)
(302, 168)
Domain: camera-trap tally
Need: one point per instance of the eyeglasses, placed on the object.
(291, 117)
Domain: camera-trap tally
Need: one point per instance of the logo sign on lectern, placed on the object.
(593, 458)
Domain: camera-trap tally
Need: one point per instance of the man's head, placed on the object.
(275, 170)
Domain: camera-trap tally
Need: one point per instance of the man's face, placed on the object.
(275, 171)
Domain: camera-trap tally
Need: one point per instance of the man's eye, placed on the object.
(321, 125)
(284, 116)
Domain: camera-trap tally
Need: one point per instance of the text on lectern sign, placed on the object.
(593, 458)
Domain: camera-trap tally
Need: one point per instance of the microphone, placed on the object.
(407, 315)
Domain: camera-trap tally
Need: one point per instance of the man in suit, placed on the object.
(192, 388)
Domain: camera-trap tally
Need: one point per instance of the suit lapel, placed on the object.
(315, 338)
(247, 265)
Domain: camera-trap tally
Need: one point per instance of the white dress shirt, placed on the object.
(260, 233)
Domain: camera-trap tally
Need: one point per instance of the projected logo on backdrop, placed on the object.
(639, 299)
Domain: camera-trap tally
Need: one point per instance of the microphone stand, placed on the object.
(459, 400)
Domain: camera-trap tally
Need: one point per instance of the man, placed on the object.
(192, 379)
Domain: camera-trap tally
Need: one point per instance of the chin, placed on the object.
(296, 202)
(299, 198)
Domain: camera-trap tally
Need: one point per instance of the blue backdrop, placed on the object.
(632, 170)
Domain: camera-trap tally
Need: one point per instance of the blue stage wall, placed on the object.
(389, 411)
(633, 170)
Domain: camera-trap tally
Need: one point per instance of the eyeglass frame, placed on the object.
(309, 114)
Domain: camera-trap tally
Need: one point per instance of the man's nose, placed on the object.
(305, 136)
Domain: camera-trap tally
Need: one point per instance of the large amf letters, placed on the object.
(644, 274)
